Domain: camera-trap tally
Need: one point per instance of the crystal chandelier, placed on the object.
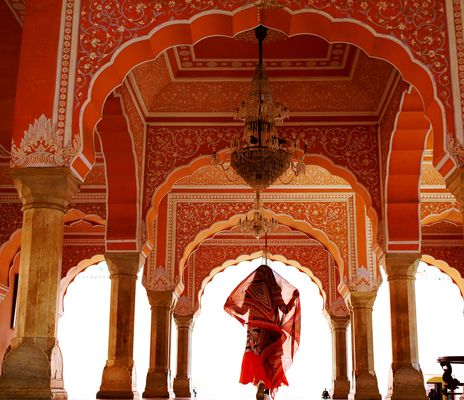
(258, 225)
(260, 157)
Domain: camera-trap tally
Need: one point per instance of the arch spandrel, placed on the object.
(210, 259)
(382, 33)
(199, 216)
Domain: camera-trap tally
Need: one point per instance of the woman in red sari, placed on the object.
(270, 308)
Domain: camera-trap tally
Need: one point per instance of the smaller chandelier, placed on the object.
(258, 225)
(260, 157)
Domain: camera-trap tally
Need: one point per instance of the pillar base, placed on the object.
(157, 385)
(118, 382)
(406, 383)
(182, 387)
(33, 370)
(365, 388)
(340, 389)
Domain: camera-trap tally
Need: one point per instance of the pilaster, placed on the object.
(33, 365)
(340, 384)
(118, 379)
(406, 379)
(158, 377)
(364, 383)
(182, 387)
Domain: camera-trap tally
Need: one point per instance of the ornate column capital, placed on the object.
(162, 298)
(45, 187)
(401, 265)
(361, 300)
(183, 321)
(124, 263)
(455, 184)
(338, 322)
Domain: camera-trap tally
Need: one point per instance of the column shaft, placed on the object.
(364, 384)
(118, 379)
(406, 379)
(33, 365)
(341, 384)
(182, 387)
(158, 376)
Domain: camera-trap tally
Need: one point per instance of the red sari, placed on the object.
(270, 308)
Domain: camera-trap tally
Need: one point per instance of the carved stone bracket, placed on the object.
(43, 146)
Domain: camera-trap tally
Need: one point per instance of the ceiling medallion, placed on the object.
(260, 157)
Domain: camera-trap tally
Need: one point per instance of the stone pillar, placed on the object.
(158, 377)
(184, 332)
(364, 381)
(33, 366)
(406, 379)
(341, 384)
(118, 379)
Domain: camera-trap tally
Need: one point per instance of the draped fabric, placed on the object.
(269, 306)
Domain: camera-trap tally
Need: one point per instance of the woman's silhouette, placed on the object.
(270, 308)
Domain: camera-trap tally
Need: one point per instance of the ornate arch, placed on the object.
(446, 268)
(287, 220)
(344, 28)
(71, 275)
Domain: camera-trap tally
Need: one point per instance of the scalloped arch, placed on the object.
(252, 256)
(443, 266)
(203, 161)
(280, 218)
(216, 23)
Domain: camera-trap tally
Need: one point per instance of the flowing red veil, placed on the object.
(260, 301)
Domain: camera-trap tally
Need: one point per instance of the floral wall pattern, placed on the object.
(354, 147)
(214, 252)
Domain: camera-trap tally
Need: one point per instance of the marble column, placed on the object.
(33, 365)
(158, 377)
(364, 381)
(406, 379)
(341, 384)
(184, 332)
(118, 379)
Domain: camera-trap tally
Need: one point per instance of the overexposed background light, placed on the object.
(218, 339)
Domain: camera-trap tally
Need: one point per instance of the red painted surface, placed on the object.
(37, 64)
(305, 22)
(408, 144)
(10, 39)
(117, 146)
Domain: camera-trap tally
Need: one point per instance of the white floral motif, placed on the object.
(363, 280)
(159, 281)
(42, 146)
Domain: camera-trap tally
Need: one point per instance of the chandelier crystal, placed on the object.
(260, 157)
(258, 224)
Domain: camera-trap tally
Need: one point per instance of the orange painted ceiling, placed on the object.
(306, 73)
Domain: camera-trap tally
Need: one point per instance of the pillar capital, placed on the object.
(338, 322)
(165, 299)
(455, 183)
(183, 321)
(124, 263)
(401, 265)
(45, 187)
(361, 300)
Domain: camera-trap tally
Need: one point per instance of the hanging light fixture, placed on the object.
(258, 224)
(260, 157)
